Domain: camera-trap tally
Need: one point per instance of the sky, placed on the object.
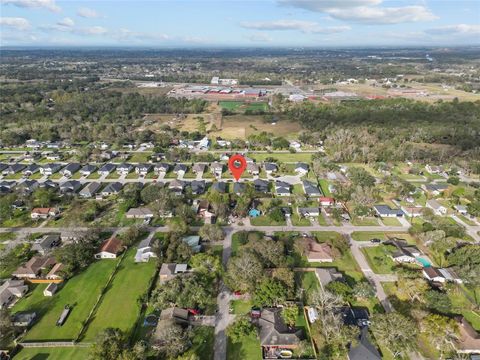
(230, 23)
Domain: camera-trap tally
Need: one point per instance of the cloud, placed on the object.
(364, 11)
(45, 4)
(66, 22)
(88, 13)
(459, 29)
(17, 23)
(127, 35)
(300, 25)
(259, 37)
(91, 30)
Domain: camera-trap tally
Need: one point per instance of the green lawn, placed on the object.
(249, 348)
(378, 258)
(365, 222)
(7, 236)
(391, 222)
(300, 221)
(81, 292)
(202, 343)
(140, 157)
(382, 235)
(282, 157)
(266, 221)
(308, 281)
(71, 353)
(230, 105)
(119, 307)
(241, 306)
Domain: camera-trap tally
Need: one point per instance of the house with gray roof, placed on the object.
(160, 168)
(364, 349)
(10, 291)
(13, 169)
(88, 170)
(143, 169)
(180, 168)
(112, 189)
(260, 185)
(220, 187)
(145, 250)
(270, 168)
(50, 169)
(301, 168)
(70, 169)
(311, 189)
(198, 187)
(71, 186)
(106, 169)
(387, 211)
(124, 169)
(253, 168)
(239, 188)
(31, 169)
(90, 189)
(28, 186)
(282, 188)
(44, 244)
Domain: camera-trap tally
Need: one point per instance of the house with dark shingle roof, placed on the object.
(124, 169)
(239, 188)
(364, 350)
(311, 189)
(112, 188)
(50, 169)
(180, 168)
(161, 168)
(88, 170)
(106, 169)
(387, 211)
(13, 169)
(282, 188)
(71, 186)
(70, 169)
(275, 334)
(260, 185)
(220, 187)
(90, 189)
(31, 169)
(270, 168)
(301, 168)
(198, 186)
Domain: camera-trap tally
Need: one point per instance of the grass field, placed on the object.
(241, 306)
(81, 292)
(391, 222)
(119, 307)
(282, 157)
(378, 259)
(249, 348)
(71, 353)
(365, 222)
(263, 220)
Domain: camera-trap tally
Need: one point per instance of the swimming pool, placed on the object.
(424, 262)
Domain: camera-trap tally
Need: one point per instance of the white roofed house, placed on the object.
(139, 213)
(145, 250)
(437, 208)
(216, 168)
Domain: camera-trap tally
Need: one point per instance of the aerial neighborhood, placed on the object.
(238, 204)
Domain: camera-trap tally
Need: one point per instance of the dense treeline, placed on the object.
(394, 129)
(81, 115)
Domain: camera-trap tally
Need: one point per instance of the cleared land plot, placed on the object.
(382, 235)
(282, 157)
(241, 126)
(81, 292)
(248, 348)
(119, 307)
(378, 258)
(71, 353)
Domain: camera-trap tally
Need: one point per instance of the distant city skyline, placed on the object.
(267, 23)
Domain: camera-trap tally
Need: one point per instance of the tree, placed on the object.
(177, 226)
(7, 330)
(363, 290)
(289, 314)
(269, 251)
(270, 292)
(112, 344)
(173, 340)
(438, 301)
(394, 331)
(131, 235)
(244, 272)
(361, 177)
(239, 329)
(6, 210)
(276, 215)
(44, 196)
(287, 277)
(411, 289)
(454, 180)
(442, 332)
(211, 232)
(151, 193)
(208, 265)
(341, 289)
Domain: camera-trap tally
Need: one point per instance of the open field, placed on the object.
(129, 283)
(241, 126)
(71, 353)
(378, 258)
(282, 157)
(81, 292)
(248, 348)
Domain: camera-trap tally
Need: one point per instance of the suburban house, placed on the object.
(275, 335)
(405, 253)
(316, 252)
(70, 169)
(33, 267)
(110, 248)
(260, 185)
(139, 213)
(239, 188)
(198, 187)
(50, 169)
(440, 275)
(282, 188)
(336, 176)
(90, 189)
(270, 168)
(144, 250)
(31, 169)
(143, 169)
(326, 201)
(169, 270)
(10, 291)
(387, 211)
(24, 319)
(180, 169)
(198, 168)
(6, 186)
(432, 169)
(176, 186)
(461, 209)
(106, 169)
(326, 275)
(88, 170)
(412, 211)
(301, 169)
(216, 168)
(112, 188)
(56, 272)
(253, 169)
(160, 168)
(220, 187)
(469, 339)
(435, 189)
(438, 209)
(50, 289)
(124, 169)
(46, 243)
(311, 189)
(44, 213)
(193, 241)
(13, 169)
(308, 212)
(71, 186)
(28, 186)
(53, 156)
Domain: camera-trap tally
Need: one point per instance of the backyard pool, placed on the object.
(424, 262)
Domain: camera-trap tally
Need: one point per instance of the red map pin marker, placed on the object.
(237, 165)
